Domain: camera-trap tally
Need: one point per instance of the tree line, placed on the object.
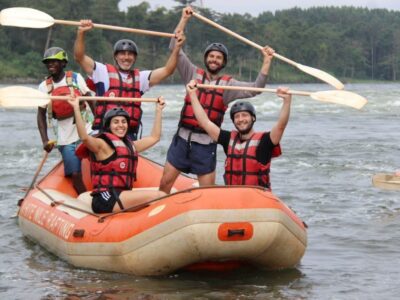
(347, 42)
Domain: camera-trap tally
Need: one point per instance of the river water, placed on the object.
(330, 153)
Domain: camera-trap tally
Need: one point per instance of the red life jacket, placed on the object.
(211, 100)
(241, 165)
(116, 172)
(120, 88)
(90, 84)
(59, 109)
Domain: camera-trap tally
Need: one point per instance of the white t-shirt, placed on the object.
(66, 131)
(100, 74)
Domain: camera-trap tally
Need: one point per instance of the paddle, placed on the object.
(309, 70)
(335, 96)
(20, 96)
(33, 18)
(38, 170)
(386, 181)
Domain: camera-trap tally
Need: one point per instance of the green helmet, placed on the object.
(55, 53)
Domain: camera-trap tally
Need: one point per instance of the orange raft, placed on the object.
(208, 228)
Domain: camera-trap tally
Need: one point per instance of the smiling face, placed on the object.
(243, 122)
(119, 126)
(125, 60)
(54, 66)
(214, 62)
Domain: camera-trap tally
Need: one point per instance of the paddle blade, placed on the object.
(321, 75)
(386, 181)
(20, 96)
(25, 17)
(340, 97)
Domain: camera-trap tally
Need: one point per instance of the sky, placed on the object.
(254, 7)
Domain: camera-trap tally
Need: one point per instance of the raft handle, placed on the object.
(79, 233)
(232, 232)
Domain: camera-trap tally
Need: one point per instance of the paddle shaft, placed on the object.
(118, 28)
(89, 98)
(241, 38)
(46, 154)
(98, 98)
(248, 88)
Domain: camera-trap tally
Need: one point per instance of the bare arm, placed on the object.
(42, 126)
(160, 74)
(268, 54)
(186, 15)
(204, 122)
(155, 135)
(184, 66)
(98, 146)
(279, 127)
(86, 62)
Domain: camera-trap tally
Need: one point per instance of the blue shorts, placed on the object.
(192, 157)
(72, 164)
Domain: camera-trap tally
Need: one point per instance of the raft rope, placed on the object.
(55, 202)
(102, 218)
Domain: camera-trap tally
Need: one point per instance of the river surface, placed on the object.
(330, 153)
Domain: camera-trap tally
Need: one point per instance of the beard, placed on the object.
(245, 130)
(213, 71)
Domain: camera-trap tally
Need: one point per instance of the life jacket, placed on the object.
(90, 84)
(59, 109)
(120, 88)
(211, 100)
(117, 172)
(241, 165)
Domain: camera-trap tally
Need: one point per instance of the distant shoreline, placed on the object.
(345, 81)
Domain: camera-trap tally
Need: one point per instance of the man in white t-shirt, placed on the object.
(60, 82)
(121, 79)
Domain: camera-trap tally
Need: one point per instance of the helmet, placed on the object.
(243, 106)
(55, 53)
(125, 45)
(217, 47)
(114, 112)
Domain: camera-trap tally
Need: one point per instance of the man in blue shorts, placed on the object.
(192, 150)
(58, 83)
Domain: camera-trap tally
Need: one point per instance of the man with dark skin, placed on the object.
(61, 82)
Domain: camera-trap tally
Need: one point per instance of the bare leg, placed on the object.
(206, 179)
(133, 198)
(77, 182)
(168, 179)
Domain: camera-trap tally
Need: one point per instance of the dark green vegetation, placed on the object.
(350, 43)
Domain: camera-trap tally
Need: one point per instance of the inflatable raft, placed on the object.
(207, 228)
(386, 181)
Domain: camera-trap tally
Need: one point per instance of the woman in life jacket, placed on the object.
(113, 159)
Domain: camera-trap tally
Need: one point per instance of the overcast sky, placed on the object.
(254, 7)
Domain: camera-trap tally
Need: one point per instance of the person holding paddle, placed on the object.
(58, 83)
(113, 159)
(121, 79)
(248, 153)
(192, 149)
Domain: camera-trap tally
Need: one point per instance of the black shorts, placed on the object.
(104, 202)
